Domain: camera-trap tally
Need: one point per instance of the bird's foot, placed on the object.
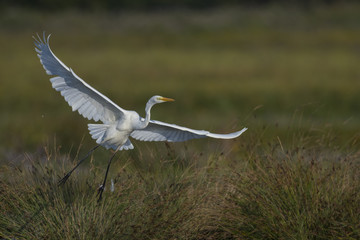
(100, 192)
(64, 179)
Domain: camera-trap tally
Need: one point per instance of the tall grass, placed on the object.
(296, 193)
(257, 191)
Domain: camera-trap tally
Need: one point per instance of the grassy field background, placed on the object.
(222, 66)
(290, 75)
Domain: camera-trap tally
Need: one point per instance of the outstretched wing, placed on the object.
(160, 131)
(80, 96)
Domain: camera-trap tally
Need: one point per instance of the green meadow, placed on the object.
(291, 76)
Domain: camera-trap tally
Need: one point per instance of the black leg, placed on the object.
(101, 188)
(63, 180)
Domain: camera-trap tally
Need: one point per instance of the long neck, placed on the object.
(147, 116)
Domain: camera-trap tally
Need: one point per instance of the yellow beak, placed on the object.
(167, 99)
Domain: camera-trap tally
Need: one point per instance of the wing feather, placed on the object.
(80, 96)
(160, 131)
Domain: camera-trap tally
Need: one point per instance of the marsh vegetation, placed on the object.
(290, 75)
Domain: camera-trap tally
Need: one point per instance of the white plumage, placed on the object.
(118, 124)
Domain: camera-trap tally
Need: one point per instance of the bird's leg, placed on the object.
(63, 180)
(102, 187)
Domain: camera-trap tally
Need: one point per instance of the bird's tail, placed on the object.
(98, 131)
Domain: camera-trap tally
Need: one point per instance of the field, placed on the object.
(290, 75)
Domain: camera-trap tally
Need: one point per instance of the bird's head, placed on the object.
(156, 99)
(159, 99)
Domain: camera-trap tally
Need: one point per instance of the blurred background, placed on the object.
(274, 66)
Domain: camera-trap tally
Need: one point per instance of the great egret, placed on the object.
(117, 124)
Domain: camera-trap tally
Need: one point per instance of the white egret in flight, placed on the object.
(117, 124)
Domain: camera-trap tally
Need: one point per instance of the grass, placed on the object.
(290, 76)
(256, 191)
(294, 195)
